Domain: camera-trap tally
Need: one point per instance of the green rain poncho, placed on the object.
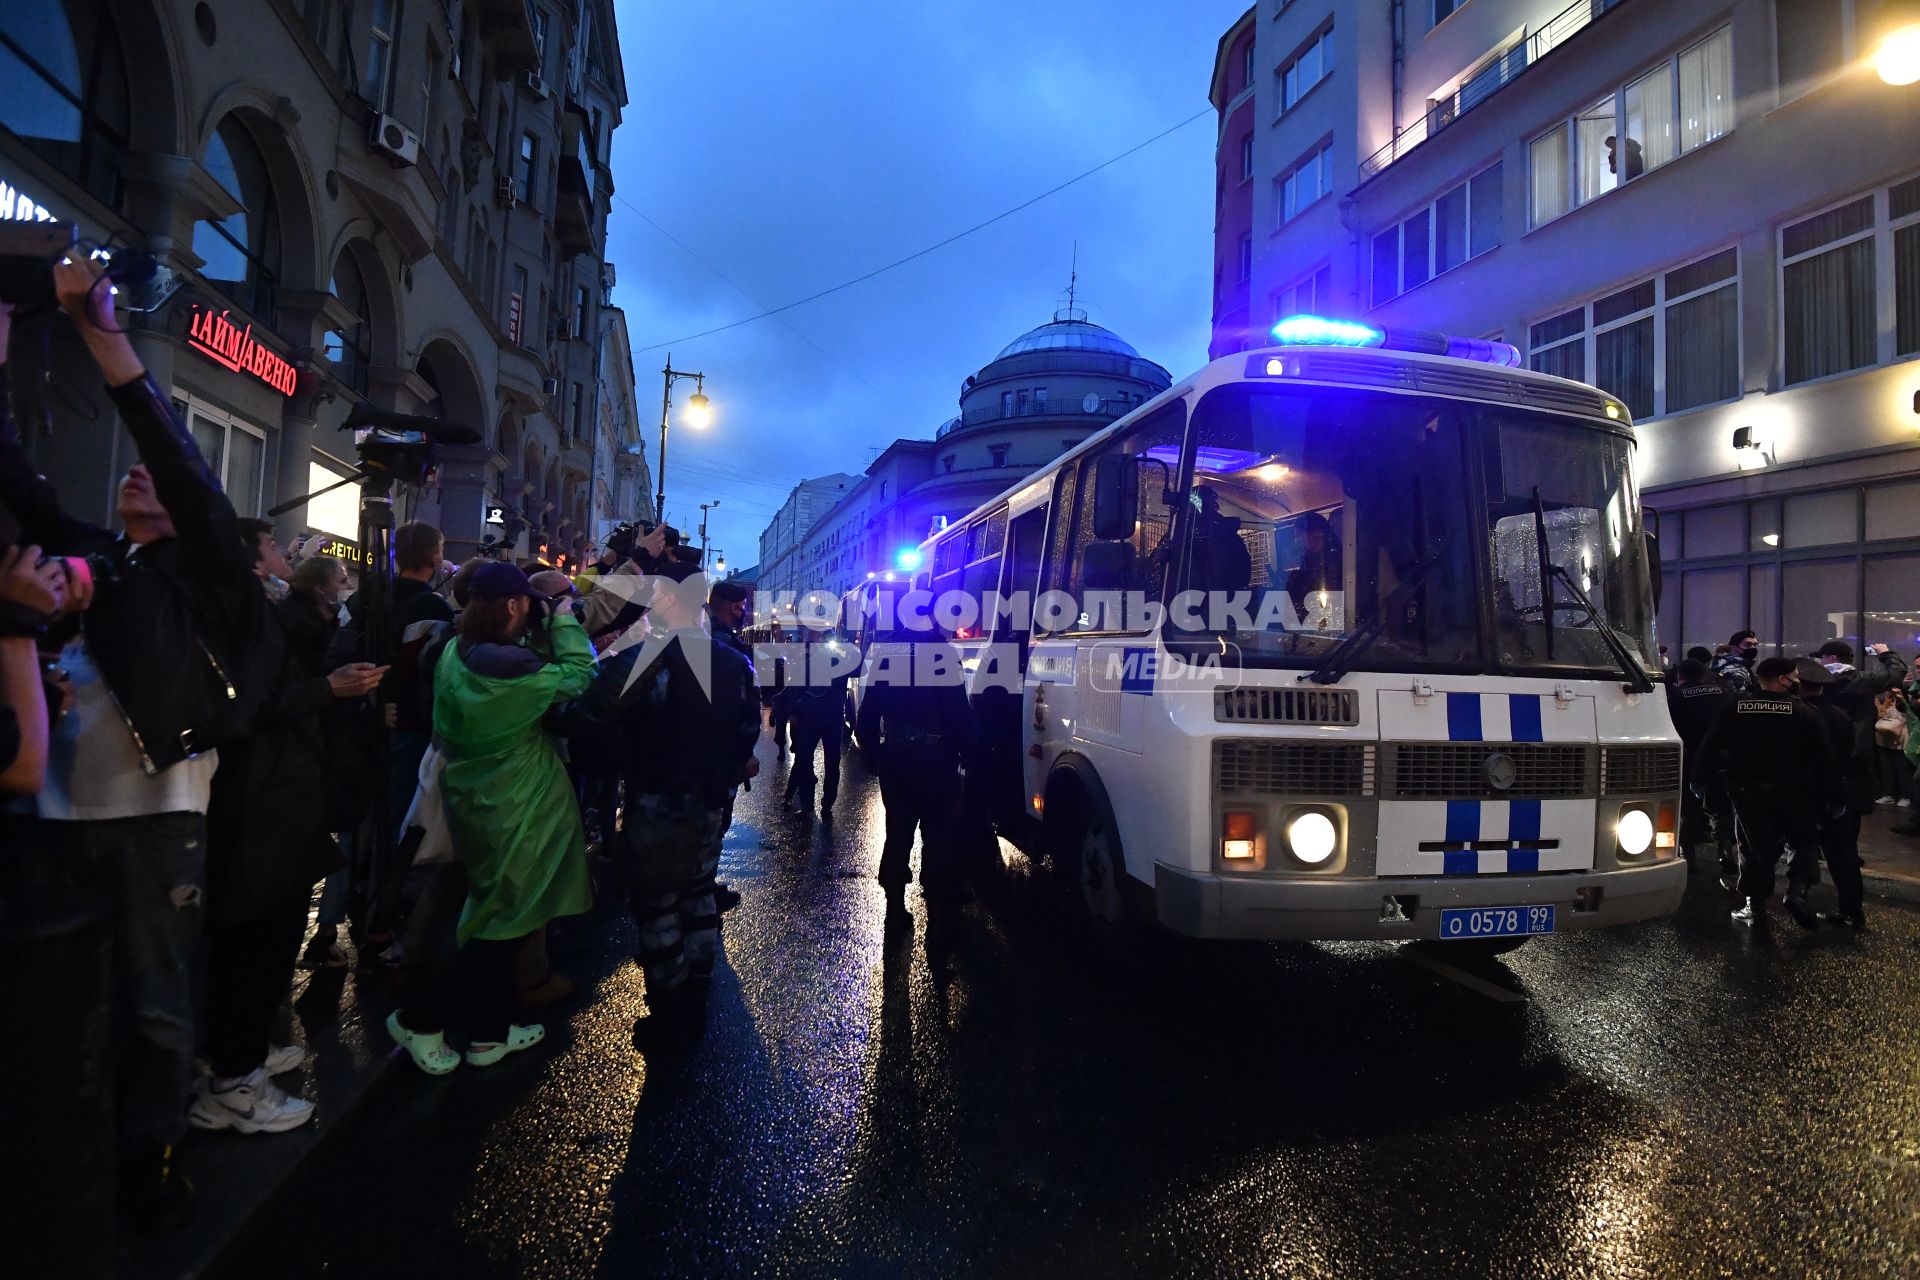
(509, 806)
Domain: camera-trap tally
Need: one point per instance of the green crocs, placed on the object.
(484, 1053)
(429, 1052)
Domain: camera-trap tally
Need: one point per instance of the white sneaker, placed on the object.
(252, 1104)
(1884, 800)
(282, 1058)
(1904, 802)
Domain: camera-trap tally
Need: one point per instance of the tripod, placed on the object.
(375, 879)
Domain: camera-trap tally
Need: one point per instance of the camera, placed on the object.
(90, 569)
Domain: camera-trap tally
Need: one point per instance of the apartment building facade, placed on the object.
(1710, 209)
(400, 203)
(779, 567)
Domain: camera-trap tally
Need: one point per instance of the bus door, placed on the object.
(999, 679)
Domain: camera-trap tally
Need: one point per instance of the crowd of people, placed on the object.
(1784, 757)
(201, 733)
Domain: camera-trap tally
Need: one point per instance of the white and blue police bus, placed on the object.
(1417, 698)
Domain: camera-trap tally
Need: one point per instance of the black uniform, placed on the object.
(915, 736)
(1839, 816)
(1777, 756)
(815, 714)
(1704, 804)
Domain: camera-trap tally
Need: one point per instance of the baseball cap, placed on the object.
(498, 580)
(1811, 672)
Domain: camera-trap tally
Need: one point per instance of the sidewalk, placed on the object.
(340, 1021)
(1892, 862)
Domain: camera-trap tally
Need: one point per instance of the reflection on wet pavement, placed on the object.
(1675, 1099)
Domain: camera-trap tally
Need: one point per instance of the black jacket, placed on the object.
(1773, 740)
(676, 740)
(418, 611)
(172, 626)
(266, 825)
(910, 726)
(1855, 695)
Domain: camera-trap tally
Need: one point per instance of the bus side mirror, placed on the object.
(1106, 566)
(1116, 496)
(1650, 537)
(1656, 572)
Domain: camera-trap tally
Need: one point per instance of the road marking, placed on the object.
(1426, 958)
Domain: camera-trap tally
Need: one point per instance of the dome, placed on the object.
(1069, 335)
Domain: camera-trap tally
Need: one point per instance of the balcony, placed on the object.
(508, 26)
(1488, 79)
(1104, 411)
(573, 205)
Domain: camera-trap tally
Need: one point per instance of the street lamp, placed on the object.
(704, 508)
(699, 413)
(1897, 60)
(720, 562)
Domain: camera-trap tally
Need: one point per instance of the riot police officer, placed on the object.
(1696, 700)
(915, 729)
(1777, 755)
(1839, 815)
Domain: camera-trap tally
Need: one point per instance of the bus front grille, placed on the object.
(1640, 770)
(1286, 706)
(1279, 768)
(1467, 770)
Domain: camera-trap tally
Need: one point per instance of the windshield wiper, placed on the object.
(1546, 565)
(1622, 656)
(1342, 656)
(1549, 571)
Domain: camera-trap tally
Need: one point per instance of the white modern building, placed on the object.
(1710, 209)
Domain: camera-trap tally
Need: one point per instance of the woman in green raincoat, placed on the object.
(509, 807)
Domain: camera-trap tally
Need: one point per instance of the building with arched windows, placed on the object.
(386, 203)
(1042, 394)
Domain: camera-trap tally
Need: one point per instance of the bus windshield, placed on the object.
(1334, 511)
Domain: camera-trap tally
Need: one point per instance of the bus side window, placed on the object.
(1154, 445)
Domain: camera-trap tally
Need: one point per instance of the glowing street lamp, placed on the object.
(1897, 60)
(699, 413)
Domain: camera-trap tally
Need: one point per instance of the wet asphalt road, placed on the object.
(1673, 1100)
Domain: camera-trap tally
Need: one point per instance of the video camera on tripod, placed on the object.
(401, 445)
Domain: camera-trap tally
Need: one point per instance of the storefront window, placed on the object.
(1818, 603)
(1715, 531)
(1822, 519)
(1893, 511)
(66, 89)
(241, 253)
(1893, 603)
(1714, 606)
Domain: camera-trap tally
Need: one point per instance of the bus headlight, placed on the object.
(1312, 837)
(1634, 832)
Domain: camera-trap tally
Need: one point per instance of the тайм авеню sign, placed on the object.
(211, 334)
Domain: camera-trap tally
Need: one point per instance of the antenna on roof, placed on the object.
(1072, 312)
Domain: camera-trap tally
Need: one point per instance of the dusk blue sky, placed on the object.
(795, 146)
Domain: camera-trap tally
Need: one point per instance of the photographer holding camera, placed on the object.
(156, 688)
(619, 599)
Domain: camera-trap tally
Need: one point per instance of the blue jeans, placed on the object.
(150, 871)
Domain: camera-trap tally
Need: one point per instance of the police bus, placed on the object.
(1347, 637)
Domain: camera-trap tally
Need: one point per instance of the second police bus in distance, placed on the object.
(1434, 716)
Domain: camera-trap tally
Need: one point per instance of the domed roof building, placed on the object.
(1045, 392)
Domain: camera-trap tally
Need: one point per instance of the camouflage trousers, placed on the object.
(668, 855)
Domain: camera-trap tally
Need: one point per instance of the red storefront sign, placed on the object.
(211, 334)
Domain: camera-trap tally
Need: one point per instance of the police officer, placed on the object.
(1839, 815)
(1775, 751)
(814, 710)
(1696, 700)
(915, 728)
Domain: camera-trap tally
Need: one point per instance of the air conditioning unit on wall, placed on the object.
(399, 144)
(503, 190)
(536, 85)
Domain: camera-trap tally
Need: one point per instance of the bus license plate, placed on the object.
(1495, 922)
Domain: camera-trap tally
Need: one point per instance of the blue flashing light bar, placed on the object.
(908, 559)
(1319, 331)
